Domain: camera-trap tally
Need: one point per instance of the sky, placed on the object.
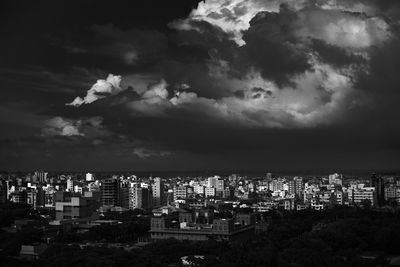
(200, 85)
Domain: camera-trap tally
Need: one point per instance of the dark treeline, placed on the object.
(335, 237)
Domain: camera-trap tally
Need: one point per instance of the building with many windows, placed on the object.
(140, 198)
(180, 192)
(76, 208)
(109, 191)
(158, 192)
(359, 196)
(201, 226)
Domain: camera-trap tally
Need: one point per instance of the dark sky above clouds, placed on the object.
(200, 85)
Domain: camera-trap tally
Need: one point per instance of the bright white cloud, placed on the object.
(318, 97)
(158, 90)
(234, 16)
(153, 101)
(102, 88)
(342, 29)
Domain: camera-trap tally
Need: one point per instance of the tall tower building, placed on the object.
(158, 192)
(109, 191)
(70, 185)
(140, 198)
(378, 183)
(124, 194)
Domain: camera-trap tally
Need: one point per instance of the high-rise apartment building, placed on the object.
(180, 192)
(379, 185)
(296, 186)
(124, 194)
(158, 192)
(140, 198)
(110, 192)
(70, 185)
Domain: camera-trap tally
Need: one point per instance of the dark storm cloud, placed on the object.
(335, 55)
(268, 40)
(227, 83)
(132, 47)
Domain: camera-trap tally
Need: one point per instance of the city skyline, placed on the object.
(187, 85)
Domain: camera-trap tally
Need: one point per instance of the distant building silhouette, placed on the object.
(378, 183)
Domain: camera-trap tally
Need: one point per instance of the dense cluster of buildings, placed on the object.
(193, 208)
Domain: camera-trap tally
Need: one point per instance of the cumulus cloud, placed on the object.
(152, 101)
(157, 91)
(101, 89)
(234, 17)
(340, 28)
(318, 96)
(59, 126)
(86, 127)
(295, 64)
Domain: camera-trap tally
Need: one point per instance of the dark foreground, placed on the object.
(335, 237)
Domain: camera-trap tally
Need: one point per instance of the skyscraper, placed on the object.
(378, 183)
(124, 194)
(140, 198)
(158, 192)
(109, 191)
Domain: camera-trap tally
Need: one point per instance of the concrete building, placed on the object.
(180, 192)
(124, 194)
(158, 192)
(140, 198)
(199, 189)
(295, 186)
(41, 176)
(190, 228)
(70, 185)
(336, 179)
(357, 196)
(212, 181)
(31, 198)
(210, 192)
(32, 252)
(76, 208)
(379, 185)
(219, 185)
(89, 177)
(110, 192)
